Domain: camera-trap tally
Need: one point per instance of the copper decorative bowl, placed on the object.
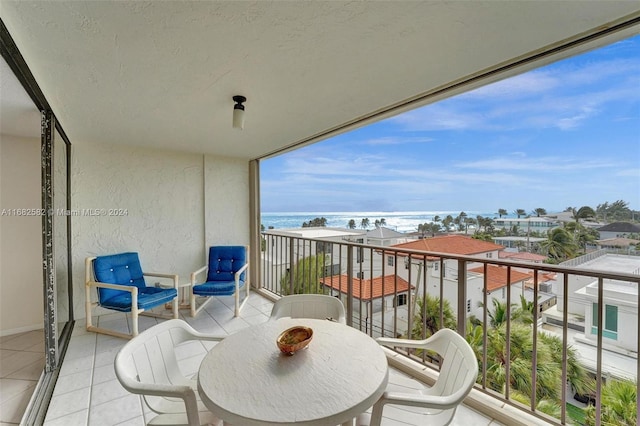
(293, 339)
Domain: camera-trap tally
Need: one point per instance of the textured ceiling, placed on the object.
(162, 74)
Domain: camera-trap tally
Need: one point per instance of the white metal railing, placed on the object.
(385, 291)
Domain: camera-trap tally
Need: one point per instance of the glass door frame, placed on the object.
(56, 343)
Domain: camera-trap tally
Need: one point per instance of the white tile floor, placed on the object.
(21, 364)
(88, 393)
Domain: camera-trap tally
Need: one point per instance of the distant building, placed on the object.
(382, 236)
(618, 245)
(525, 225)
(522, 256)
(618, 230)
(377, 294)
(514, 244)
(620, 315)
(599, 261)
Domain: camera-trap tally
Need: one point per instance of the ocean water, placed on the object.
(400, 221)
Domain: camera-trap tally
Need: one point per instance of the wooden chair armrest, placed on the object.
(121, 287)
(240, 271)
(195, 273)
(174, 277)
(155, 274)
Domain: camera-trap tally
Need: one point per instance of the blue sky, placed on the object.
(567, 134)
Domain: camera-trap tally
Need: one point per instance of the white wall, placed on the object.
(21, 292)
(226, 201)
(161, 196)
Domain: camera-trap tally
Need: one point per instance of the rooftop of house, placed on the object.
(524, 256)
(451, 244)
(620, 227)
(613, 263)
(497, 276)
(368, 289)
(382, 232)
(617, 242)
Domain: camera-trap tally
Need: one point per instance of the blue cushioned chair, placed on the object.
(121, 287)
(227, 274)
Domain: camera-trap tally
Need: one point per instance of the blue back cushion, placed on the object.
(225, 261)
(123, 269)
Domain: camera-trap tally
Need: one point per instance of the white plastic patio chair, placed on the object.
(147, 365)
(458, 373)
(318, 306)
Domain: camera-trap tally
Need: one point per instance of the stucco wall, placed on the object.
(21, 305)
(157, 201)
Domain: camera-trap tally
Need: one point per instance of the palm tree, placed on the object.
(584, 212)
(382, 222)
(525, 312)
(559, 245)
(539, 212)
(498, 316)
(422, 229)
(618, 210)
(351, 224)
(461, 221)
(447, 221)
(427, 318)
(520, 212)
(618, 404)
(502, 212)
(436, 219)
(548, 367)
(469, 221)
(365, 223)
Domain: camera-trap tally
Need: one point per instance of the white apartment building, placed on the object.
(526, 225)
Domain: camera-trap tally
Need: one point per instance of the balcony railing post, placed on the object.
(462, 296)
(291, 266)
(350, 285)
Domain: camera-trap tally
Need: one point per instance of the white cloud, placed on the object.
(538, 165)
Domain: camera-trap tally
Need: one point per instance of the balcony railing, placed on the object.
(395, 292)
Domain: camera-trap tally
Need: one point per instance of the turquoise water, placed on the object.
(400, 221)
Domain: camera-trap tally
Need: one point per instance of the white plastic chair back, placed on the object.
(458, 373)
(318, 306)
(147, 366)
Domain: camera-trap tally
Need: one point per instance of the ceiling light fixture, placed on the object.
(238, 112)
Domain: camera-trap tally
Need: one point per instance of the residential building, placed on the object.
(580, 300)
(619, 316)
(618, 245)
(383, 236)
(515, 243)
(618, 230)
(526, 225)
(370, 295)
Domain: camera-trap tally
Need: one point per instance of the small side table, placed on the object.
(183, 293)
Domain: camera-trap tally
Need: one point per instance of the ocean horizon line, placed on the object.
(402, 221)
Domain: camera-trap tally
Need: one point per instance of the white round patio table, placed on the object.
(245, 380)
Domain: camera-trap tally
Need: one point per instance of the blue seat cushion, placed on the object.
(148, 298)
(124, 269)
(224, 262)
(216, 288)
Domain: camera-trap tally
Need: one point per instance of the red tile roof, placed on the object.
(497, 276)
(451, 244)
(531, 257)
(362, 289)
